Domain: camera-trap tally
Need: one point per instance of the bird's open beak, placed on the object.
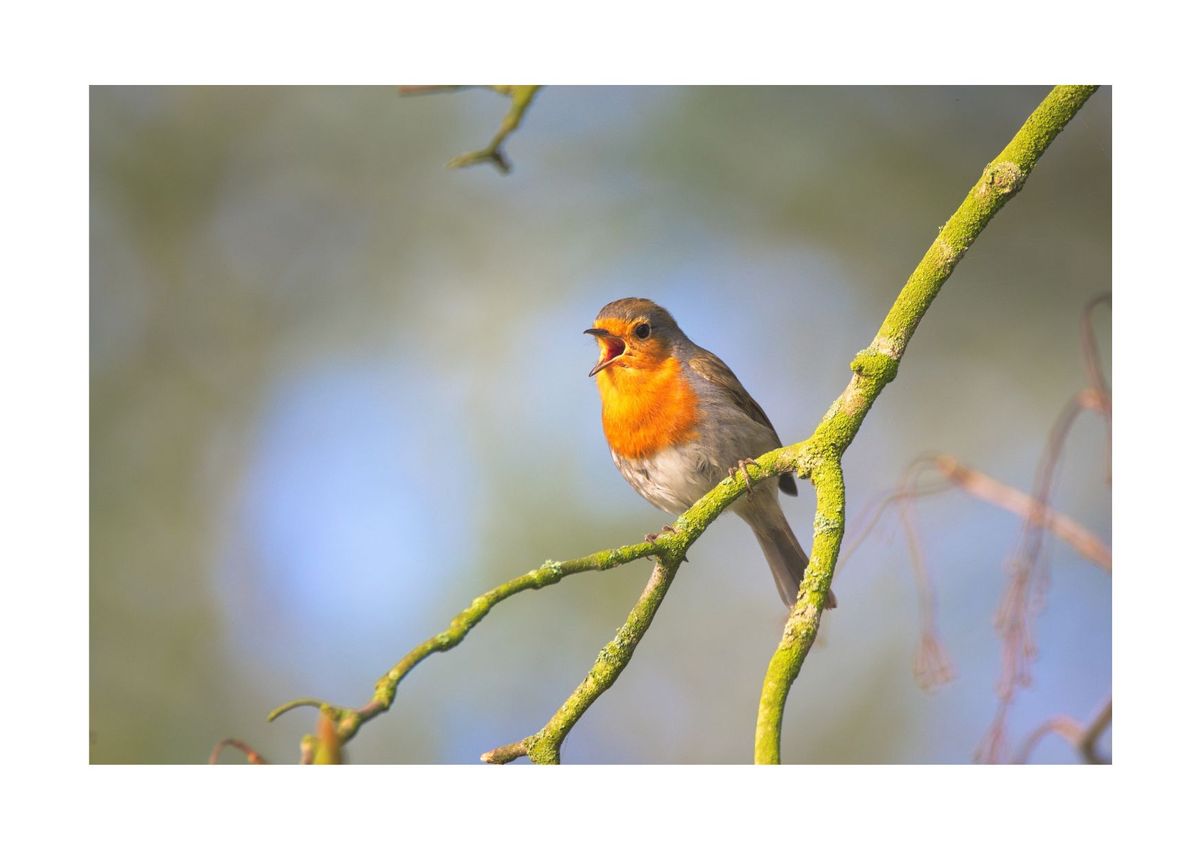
(611, 348)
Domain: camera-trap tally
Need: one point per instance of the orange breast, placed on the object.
(647, 410)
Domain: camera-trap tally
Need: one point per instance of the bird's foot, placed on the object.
(653, 536)
(742, 465)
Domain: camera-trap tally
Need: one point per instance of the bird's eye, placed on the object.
(642, 331)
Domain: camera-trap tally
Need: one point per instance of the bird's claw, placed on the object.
(742, 465)
(653, 536)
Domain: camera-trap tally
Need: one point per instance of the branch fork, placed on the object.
(818, 458)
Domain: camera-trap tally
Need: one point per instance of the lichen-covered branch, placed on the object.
(873, 369)
(669, 548)
(349, 720)
(544, 747)
(800, 630)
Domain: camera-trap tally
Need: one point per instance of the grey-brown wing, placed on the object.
(714, 370)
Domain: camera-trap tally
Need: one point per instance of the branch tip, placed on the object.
(505, 753)
(295, 704)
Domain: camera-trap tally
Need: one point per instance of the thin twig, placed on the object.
(1023, 595)
(1082, 738)
(1100, 722)
(1022, 504)
(505, 753)
(521, 96)
(1096, 379)
(877, 507)
(252, 756)
(931, 664)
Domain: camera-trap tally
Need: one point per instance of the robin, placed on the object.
(678, 421)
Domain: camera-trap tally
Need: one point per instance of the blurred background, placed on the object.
(338, 390)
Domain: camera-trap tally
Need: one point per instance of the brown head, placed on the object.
(634, 333)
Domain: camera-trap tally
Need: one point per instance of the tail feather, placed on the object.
(783, 552)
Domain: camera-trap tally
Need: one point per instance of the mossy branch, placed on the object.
(818, 457)
(669, 549)
(875, 367)
(545, 746)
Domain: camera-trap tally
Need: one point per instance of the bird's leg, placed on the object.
(742, 465)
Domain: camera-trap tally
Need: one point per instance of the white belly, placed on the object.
(673, 478)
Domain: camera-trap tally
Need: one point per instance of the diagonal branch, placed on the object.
(545, 746)
(873, 369)
(1022, 504)
(550, 573)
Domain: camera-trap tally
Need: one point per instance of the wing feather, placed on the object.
(714, 370)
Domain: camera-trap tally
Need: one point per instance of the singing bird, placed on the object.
(678, 421)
